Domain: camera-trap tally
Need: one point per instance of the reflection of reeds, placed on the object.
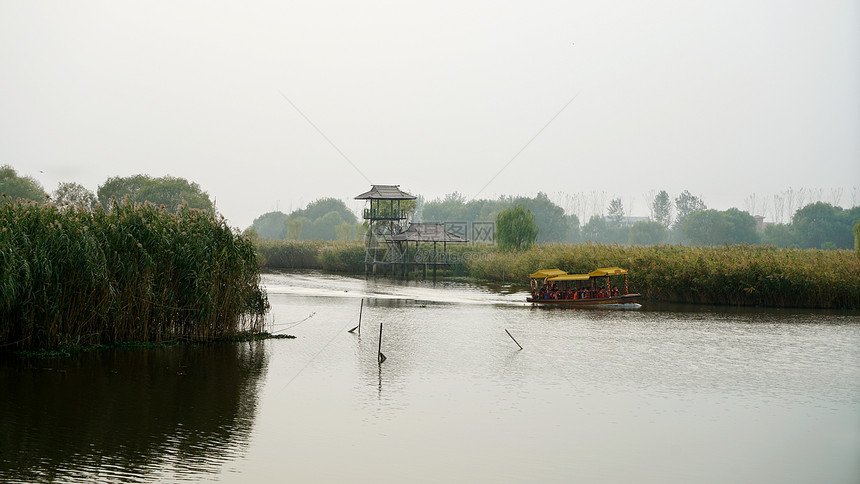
(132, 273)
(129, 415)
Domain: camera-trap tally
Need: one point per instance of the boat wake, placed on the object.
(325, 285)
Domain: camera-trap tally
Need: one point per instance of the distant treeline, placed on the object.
(742, 275)
(171, 192)
(126, 272)
(683, 221)
(323, 219)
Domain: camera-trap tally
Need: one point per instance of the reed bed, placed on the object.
(312, 254)
(743, 275)
(132, 273)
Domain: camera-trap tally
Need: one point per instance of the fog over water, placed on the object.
(271, 105)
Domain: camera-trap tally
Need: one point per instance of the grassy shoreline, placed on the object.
(72, 277)
(65, 351)
(737, 275)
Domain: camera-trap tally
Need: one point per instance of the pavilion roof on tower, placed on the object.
(385, 192)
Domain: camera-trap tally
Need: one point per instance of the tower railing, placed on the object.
(384, 214)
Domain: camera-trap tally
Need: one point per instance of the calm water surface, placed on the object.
(625, 395)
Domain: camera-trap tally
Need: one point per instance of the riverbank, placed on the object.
(738, 275)
(65, 351)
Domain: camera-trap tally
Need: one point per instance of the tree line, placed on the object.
(323, 219)
(683, 219)
(171, 192)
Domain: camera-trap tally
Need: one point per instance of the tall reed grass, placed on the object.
(135, 272)
(312, 254)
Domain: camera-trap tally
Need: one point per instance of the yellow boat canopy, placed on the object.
(569, 277)
(607, 271)
(544, 273)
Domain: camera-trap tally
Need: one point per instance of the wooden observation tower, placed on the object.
(386, 216)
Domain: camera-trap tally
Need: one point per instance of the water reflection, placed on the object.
(669, 394)
(169, 413)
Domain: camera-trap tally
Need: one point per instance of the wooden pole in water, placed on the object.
(379, 356)
(512, 337)
(359, 319)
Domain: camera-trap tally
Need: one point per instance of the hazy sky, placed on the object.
(723, 98)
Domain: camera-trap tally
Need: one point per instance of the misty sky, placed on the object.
(723, 98)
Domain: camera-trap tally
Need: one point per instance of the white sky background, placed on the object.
(723, 98)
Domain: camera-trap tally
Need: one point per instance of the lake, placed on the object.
(654, 394)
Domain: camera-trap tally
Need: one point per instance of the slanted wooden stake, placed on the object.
(512, 337)
(379, 356)
(360, 309)
(359, 319)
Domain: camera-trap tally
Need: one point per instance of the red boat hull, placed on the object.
(595, 301)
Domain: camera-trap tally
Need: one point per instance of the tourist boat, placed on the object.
(558, 288)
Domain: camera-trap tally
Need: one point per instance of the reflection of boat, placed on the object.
(557, 287)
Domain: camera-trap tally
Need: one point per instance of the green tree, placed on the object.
(325, 227)
(15, 187)
(516, 228)
(712, 227)
(271, 225)
(857, 236)
(553, 225)
(119, 187)
(818, 223)
(573, 230)
(648, 233)
(323, 206)
(685, 204)
(173, 192)
(596, 230)
(455, 208)
(323, 219)
(616, 212)
(780, 235)
(661, 209)
(75, 194)
(347, 231)
(549, 217)
(741, 227)
(295, 226)
(169, 191)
